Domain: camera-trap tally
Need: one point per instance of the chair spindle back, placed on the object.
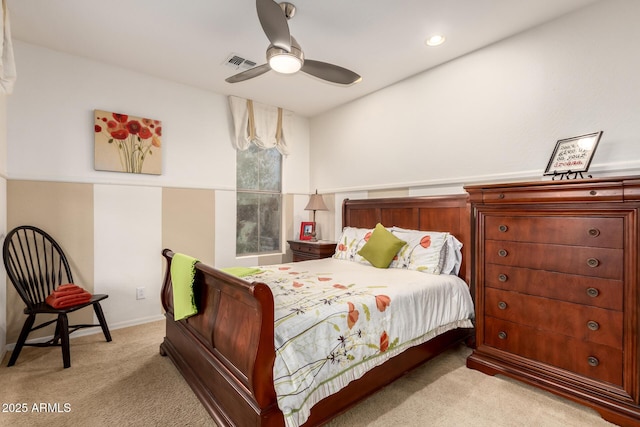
(35, 263)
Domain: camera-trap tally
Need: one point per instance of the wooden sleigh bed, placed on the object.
(226, 352)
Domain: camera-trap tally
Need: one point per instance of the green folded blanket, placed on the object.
(182, 273)
(241, 271)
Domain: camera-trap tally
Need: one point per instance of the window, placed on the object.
(258, 201)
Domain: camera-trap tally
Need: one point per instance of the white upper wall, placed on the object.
(495, 114)
(51, 136)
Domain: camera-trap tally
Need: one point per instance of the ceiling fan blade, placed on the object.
(249, 74)
(274, 23)
(330, 72)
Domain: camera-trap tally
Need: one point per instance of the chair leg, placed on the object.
(56, 336)
(103, 322)
(26, 328)
(63, 326)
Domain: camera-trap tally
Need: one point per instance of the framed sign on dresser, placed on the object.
(555, 271)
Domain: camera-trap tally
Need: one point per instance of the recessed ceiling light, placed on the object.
(435, 40)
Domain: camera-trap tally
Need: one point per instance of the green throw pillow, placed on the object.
(381, 247)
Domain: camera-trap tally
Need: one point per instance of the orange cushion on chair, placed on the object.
(68, 289)
(68, 295)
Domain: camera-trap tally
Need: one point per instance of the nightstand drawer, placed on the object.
(303, 247)
(307, 250)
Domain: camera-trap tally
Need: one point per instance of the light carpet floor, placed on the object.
(127, 383)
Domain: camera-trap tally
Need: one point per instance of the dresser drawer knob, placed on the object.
(501, 196)
(592, 262)
(502, 305)
(593, 361)
(502, 253)
(593, 292)
(502, 277)
(593, 192)
(593, 325)
(502, 335)
(503, 228)
(594, 232)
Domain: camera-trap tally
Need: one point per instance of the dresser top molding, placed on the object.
(608, 189)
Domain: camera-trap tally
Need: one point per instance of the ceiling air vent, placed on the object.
(239, 63)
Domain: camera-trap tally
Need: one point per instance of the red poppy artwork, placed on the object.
(125, 143)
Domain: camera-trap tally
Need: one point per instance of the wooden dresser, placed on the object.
(555, 273)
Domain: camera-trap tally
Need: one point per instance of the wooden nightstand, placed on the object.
(304, 249)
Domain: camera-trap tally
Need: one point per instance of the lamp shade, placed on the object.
(316, 203)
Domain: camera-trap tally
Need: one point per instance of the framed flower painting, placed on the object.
(126, 143)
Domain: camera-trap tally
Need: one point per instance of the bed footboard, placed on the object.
(225, 352)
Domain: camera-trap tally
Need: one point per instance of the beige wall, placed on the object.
(188, 222)
(3, 217)
(65, 211)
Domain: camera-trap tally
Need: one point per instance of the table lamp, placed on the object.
(316, 203)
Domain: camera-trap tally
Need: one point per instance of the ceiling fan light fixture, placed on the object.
(285, 63)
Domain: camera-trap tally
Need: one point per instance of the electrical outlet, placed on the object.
(140, 293)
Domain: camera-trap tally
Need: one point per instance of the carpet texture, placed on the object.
(127, 383)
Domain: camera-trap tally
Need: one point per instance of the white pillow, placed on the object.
(428, 251)
(350, 242)
(452, 259)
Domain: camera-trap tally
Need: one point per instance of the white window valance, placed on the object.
(7, 62)
(263, 125)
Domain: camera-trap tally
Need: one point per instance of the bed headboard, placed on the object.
(430, 213)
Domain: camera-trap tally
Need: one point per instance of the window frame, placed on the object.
(259, 192)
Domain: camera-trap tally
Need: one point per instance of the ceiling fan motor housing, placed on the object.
(288, 9)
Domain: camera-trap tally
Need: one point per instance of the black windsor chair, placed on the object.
(36, 265)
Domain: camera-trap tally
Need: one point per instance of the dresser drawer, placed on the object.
(554, 193)
(592, 360)
(597, 262)
(578, 231)
(584, 323)
(597, 292)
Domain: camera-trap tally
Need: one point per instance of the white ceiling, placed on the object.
(188, 41)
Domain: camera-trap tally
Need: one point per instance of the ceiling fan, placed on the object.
(284, 54)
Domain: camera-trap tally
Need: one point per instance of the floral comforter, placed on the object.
(335, 320)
